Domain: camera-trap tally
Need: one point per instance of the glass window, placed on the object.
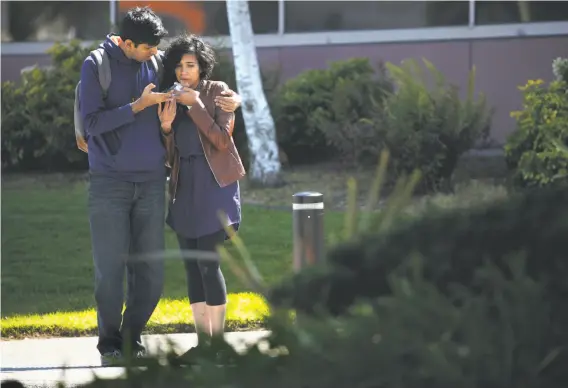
(42, 21)
(503, 12)
(316, 16)
(208, 18)
(64, 20)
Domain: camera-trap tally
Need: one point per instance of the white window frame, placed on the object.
(407, 35)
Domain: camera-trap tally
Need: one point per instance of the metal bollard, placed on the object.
(307, 209)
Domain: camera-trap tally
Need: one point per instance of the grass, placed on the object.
(47, 271)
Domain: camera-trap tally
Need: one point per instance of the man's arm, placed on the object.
(228, 101)
(217, 130)
(97, 118)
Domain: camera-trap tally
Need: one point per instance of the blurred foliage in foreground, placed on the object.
(465, 297)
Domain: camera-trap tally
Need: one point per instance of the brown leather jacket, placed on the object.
(215, 129)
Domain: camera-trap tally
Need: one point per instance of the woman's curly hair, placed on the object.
(188, 44)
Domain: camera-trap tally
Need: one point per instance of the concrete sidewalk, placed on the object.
(37, 362)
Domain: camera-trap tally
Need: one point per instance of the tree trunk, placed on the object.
(264, 160)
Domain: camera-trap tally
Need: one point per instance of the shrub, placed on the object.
(427, 127)
(530, 151)
(37, 114)
(418, 337)
(454, 245)
(315, 111)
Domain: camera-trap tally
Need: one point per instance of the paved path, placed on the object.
(37, 362)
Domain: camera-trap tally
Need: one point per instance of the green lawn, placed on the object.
(47, 263)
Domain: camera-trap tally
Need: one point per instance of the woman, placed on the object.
(205, 170)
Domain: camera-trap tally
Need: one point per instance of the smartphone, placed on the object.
(177, 87)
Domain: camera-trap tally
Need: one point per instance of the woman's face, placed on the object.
(187, 71)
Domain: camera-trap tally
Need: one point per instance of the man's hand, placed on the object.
(82, 144)
(229, 101)
(149, 98)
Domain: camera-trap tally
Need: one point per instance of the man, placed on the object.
(127, 181)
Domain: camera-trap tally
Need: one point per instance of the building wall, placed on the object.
(501, 64)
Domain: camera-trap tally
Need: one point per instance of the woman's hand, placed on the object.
(187, 96)
(167, 114)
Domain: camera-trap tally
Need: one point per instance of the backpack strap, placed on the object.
(103, 66)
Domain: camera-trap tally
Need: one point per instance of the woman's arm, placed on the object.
(167, 114)
(217, 130)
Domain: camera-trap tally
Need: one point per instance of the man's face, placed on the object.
(141, 53)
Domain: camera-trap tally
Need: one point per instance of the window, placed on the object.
(44, 21)
(318, 16)
(48, 21)
(208, 18)
(504, 12)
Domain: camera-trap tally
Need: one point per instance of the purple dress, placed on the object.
(199, 197)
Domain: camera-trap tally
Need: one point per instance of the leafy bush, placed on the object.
(453, 244)
(531, 152)
(37, 114)
(315, 112)
(427, 127)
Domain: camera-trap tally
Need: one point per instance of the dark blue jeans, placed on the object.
(127, 226)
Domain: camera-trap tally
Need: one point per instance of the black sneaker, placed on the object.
(113, 358)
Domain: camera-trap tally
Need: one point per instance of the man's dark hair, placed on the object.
(142, 26)
(188, 44)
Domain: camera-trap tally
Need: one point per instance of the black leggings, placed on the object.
(205, 281)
